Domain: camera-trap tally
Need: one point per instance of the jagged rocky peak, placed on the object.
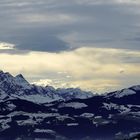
(5, 76)
(20, 78)
(4, 73)
(10, 83)
(50, 88)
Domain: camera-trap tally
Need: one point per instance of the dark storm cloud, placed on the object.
(38, 42)
(54, 25)
(41, 43)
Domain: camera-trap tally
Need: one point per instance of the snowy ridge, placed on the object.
(75, 105)
(124, 92)
(19, 87)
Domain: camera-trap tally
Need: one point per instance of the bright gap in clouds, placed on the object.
(6, 46)
(88, 68)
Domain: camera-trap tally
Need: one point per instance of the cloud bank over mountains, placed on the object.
(107, 69)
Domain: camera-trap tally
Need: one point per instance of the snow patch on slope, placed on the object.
(74, 105)
(125, 92)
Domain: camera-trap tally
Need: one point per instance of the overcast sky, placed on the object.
(91, 44)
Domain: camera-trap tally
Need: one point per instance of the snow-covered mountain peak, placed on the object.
(124, 92)
(20, 76)
(20, 79)
(6, 80)
(5, 76)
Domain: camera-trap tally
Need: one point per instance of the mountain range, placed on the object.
(33, 112)
(19, 87)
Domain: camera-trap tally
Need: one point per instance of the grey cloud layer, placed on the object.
(54, 25)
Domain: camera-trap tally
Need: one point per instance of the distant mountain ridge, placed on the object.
(112, 116)
(19, 87)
